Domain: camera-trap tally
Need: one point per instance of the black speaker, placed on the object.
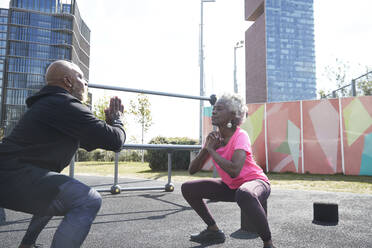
(325, 213)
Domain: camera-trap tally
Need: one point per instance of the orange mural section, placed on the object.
(325, 136)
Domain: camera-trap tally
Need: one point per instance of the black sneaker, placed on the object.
(208, 236)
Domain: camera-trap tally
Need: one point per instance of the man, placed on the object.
(43, 143)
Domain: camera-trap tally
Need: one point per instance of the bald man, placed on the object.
(43, 143)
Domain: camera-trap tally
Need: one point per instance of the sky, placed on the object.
(154, 45)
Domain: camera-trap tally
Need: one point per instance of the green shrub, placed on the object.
(158, 159)
(107, 156)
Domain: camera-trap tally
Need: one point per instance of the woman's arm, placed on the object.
(199, 161)
(232, 167)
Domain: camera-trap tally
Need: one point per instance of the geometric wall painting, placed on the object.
(253, 124)
(294, 142)
(325, 120)
(366, 164)
(290, 146)
(357, 120)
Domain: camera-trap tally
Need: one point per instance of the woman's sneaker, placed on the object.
(208, 236)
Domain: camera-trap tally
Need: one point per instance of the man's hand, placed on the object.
(114, 111)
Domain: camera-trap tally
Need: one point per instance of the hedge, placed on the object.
(158, 159)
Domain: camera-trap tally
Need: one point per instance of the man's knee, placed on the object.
(74, 195)
(94, 200)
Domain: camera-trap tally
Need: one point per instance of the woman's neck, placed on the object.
(226, 133)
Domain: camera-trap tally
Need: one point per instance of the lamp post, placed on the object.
(201, 64)
(237, 45)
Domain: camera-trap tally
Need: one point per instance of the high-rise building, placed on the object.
(280, 53)
(38, 33)
(3, 31)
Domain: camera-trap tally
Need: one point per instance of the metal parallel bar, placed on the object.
(161, 146)
(133, 189)
(159, 93)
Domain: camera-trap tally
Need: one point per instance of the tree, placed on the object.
(142, 113)
(99, 107)
(364, 86)
(337, 74)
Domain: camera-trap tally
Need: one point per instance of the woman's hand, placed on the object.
(213, 141)
(114, 111)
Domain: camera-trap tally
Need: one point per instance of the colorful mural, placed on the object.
(311, 136)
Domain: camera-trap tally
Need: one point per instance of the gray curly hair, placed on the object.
(235, 103)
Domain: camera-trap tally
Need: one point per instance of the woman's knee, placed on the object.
(244, 197)
(185, 188)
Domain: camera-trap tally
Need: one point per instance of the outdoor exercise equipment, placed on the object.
(325, 213)
(169, 187)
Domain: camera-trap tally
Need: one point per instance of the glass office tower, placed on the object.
(39, 32)
(283, 44)
(3, 31)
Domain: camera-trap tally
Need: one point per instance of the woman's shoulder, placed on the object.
(242, 136)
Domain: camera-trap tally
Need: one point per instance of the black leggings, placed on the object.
(250, 197)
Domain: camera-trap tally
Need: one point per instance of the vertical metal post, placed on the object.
(353, 87)
(116, 173)
(72, 167)
(201, 62)
(2, 216)
(169, 166)
(238, 45)
(235, 81)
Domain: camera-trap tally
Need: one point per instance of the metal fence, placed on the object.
(169, 186)
(352, 86)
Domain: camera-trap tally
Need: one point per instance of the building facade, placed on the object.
(280, 53)
(3, 32)
(38, 33)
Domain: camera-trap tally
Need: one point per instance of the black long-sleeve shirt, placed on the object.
(49, 134)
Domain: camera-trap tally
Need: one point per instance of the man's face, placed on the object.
(79, 85)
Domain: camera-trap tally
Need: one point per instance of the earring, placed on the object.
(229, 124)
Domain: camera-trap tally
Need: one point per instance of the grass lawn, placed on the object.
(334, 183)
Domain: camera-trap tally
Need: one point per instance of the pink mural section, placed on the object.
(321, 132)
(325, 136)
(357, 135)
(283, 137)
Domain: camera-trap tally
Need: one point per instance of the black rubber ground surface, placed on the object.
(154, 218)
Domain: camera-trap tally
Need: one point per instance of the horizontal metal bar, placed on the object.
(133, 189)
(362, 75)
(107, 87)
(161, 146)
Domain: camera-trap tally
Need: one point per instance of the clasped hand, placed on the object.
(114, 111)
(214, 140)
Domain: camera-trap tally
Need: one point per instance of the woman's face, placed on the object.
(221, 114)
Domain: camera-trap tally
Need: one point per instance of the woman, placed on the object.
(242, 180)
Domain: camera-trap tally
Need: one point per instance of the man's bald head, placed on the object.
(58, 70)
(68, 76)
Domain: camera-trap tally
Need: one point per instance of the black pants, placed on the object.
(250, 196)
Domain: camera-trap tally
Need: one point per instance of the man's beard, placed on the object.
(83, 98)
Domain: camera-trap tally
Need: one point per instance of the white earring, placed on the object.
(229, 124)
